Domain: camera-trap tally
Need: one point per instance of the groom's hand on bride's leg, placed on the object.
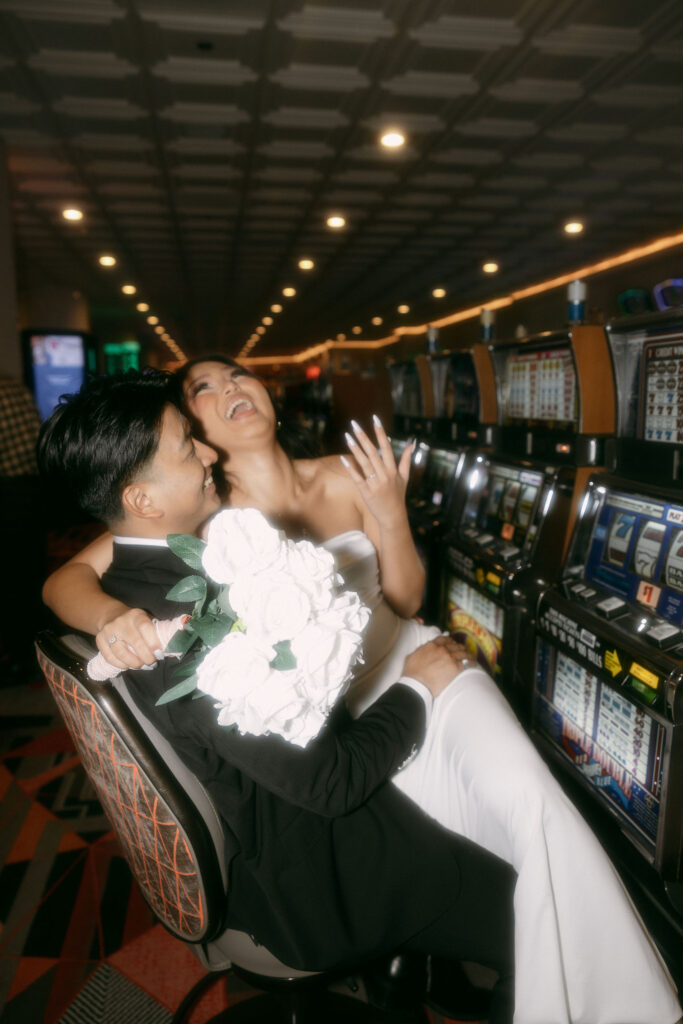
(435, 663)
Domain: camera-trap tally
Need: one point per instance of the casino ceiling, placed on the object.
(207, 141)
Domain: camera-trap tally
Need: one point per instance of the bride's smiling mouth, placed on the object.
(239, 406)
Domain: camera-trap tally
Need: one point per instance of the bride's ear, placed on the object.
(138, 503)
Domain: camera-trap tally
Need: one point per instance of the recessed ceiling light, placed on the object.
(356, 329)
(573, 227)
(341, 337)
(335, 220)
(267, 320)
(142, 307)
(403, 308)
(159, 329)
(490, 268)
(128, 289)
(306, 264)
(107, 261)
(260, 330)
(377, 320)
(392, 139)
(152, 319)
(166, 336)
(438, 293)
(72, 214)
(276, 308)
(288, 292)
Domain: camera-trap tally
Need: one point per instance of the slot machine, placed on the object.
(410, 396)
(608, 688)
(510, 517)
(459, 420)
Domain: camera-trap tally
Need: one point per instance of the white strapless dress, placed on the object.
(582, 954)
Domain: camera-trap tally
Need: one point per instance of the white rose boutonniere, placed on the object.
(272, 639)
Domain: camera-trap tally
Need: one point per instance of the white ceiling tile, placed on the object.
(589, 41)
(468, 157)
(296, 150)
(537, 90)
(78, 11)
(123, 142)
(204, 113)
(637, 94)
(517, 182)
(199, 17)
(497, 127)
(320, 77)
(51, 186)
(463, 33)
(122, 168)
(367, 176)
(587, 132)
(434, 179)
(337, 24)
(548, 161)
(81, 64)
(414, 124)
(305, 117)
(197, 145)
(203, 70)
(98, 108)
(628, 163)
(431, 83)
(303, 174)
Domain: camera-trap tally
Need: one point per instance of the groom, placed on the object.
(329, 864)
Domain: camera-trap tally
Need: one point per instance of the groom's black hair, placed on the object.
(98, 440)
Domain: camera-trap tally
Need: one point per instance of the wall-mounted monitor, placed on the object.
(56, 363)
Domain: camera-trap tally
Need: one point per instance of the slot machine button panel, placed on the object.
(484, 539)
(587, 595)
(575, 589)
(611, 607)
(663, 635)
(508, 552)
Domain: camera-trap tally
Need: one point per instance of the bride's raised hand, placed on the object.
(381, 483)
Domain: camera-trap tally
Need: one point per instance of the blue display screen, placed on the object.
(636, 551)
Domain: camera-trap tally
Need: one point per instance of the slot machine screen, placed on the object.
(636, 551)
(405, 389)
(614, 744)
(439, 476)
(55, 364)
(661, 413)
(503, 501)
(540, 387)
(475, 621)
(454, 382)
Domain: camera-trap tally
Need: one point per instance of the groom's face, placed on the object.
(179, 480)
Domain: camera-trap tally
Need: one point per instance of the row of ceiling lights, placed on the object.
(108, 261)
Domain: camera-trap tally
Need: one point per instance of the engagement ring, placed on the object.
(371, 476)
(112, 639)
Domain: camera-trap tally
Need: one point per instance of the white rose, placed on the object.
(241, 539)
(305, 726)
(348, 611)
(314, 569)
(324, 656)
(233, 668)
(272, 606)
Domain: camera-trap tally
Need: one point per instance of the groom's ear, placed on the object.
(139, 503)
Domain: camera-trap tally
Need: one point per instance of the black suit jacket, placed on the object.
(328, 862)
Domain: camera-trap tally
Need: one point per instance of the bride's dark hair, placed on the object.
(296, 440)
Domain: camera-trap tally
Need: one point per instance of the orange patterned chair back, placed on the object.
(167, 844)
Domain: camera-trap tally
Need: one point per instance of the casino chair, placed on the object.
(171, 836)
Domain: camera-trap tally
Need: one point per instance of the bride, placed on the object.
(582, 954)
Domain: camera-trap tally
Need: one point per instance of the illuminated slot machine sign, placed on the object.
(439, 478)
(498, 528)
(647, 353)
(608, 697)
(539, 390)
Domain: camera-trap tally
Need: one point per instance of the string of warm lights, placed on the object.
(609, 263)
(108, 261)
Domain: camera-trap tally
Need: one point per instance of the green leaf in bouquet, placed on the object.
(284, 659)
(224, 602)
(189, 548)
(237, 626)
(181, 641)
(191, 588)
(185, 668)
(179, 690)
(213, 628)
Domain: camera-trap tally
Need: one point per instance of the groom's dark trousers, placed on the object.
(329, 863)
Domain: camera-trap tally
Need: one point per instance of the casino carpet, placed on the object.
(78, 945)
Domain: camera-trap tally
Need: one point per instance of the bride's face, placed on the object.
(229, 404)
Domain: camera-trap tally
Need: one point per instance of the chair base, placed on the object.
(302, 1007)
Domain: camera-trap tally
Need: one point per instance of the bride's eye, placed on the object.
(196, 388)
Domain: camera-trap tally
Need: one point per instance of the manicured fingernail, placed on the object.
(350, 440)
(345, 461)
(356, 427)
(376, 420)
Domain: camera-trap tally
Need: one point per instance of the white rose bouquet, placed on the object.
(273, 637)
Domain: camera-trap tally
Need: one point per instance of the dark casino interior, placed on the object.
(464, 218)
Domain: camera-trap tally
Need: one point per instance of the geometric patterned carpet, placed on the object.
(78, 945)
